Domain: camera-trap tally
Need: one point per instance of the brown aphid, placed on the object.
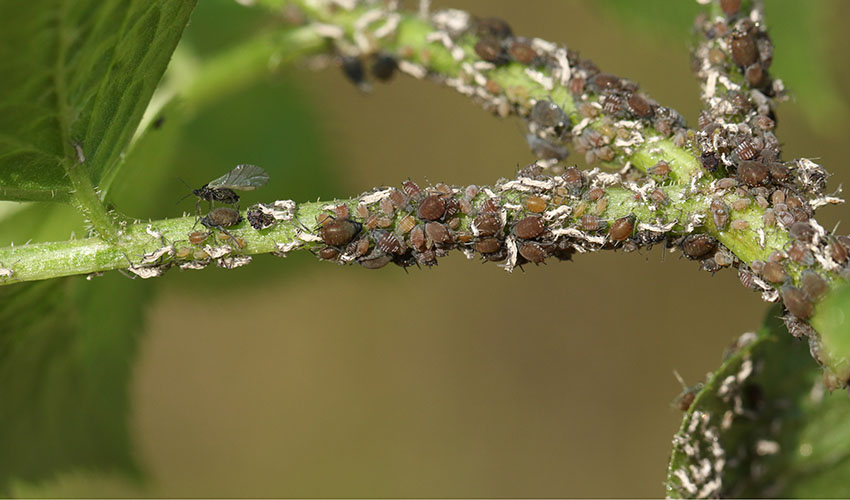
(698, 245)
(240, 242)
(260, 220)
(746, 150)
(529, 227)
(741, 204)
(198, 237)
(710, 265)
(375, 260)
(797, 302)
(595, 193)
(660, 169)
(383, 222)
(493, 87)
(601, 206)
(359, 247)
(535, 204)
(709, 161)
(813, 284)
(658, 196)
(685, 400)
(639, 106)
(774, 272)
(411, 189)
(726, 183)
(533, 252)
(739, 224)
(744, 49)
(755, 75)
(576, 85)
(387, 242)
(490, 206)
(752, 173)
(487, 224)
(590, 222)
(800, 253)
(387, 207)
(493, 27)
(338, 232)
(328, 253)
(464, 237)
(622, 228)
(452, 207)
(465, 206)
(406, 223)
(606, 81)
(522, 51)
(720, 214)
(730, 7)
(783, 214)
(490, 50)
(362, 211)
(837, 251)
(427, 258)
(438, 233)
(433, 207)
(802, 231)
(342, 211)
(488, 245)
(417, 238)
(572, 177)
(221, 217)
(778, 171)
(371, 222)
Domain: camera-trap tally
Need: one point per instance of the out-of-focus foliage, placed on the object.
(781, 433)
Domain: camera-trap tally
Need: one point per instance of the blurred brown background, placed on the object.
(299, 378)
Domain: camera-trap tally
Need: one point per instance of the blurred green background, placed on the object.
(299, 378)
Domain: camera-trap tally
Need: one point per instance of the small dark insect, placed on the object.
(375, 260)
(533, 252)
(338, 232)
(604, 81)
(221, 217)
(801, 231)
(259, 219)
(774, 272)
(752, 173)
(487, 224)
(755, 75)
(493, 27)
(720, 214)
(438, 233)
(548, 114)
(243, 177)
(157, 124)
(590, 222)
(744, 50)
(797, 302)
(411, 189)
(388, 243)
(640, 106)
(529, 227)
(433, 207)
(730, 7)
(384, 67)
(490, 50)
(328, 253)
(813, 284)
(352, 67)
(488, 245)
(698, 245)
(622, 228)
(427, 258)
(198, 237)
(709, 161)
(746, 150)
(522, 52)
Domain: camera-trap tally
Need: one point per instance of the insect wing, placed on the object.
(244, 177)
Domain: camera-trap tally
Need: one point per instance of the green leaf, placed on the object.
(77, 74)
(764, 426)
(831, 321)
(65, 363)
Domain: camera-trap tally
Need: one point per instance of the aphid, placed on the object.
(384, 67)
(577, 84)
(375, 260)
(488, 245)
(417, 238)
(572, 177)
(799, 253)
(259, 219)
(487, 224)
(490, 50)
(730, 7)
(755, 75)
(746, 150)
(328, 253)
(774, 272)
(778, 171)
(837, 251)
(533, 252)
(452, 208)
(741, 204)
(709, 265)
(698, 245)
(801, 231)
(595, 194)
(544, 149)
(709, 161)
(744, 50)
(219, 218)
(726, 183)
(471, 191)
(406, 224)
(739, 224)
(398, 198)
(183, 252)
(388, 243)
(720, 214)
(338, 232)
(412, 190)
(797, 302)
(342, 211)
(606, 81)
(243, 177)
(383, 222)
(658, 196)
(464, 237)
(433, 207)
(591, 223)
(752, 173)
(359, 247)
(465, 206)
(660, 169)
(622, 228)
(352, 68)
(548, 114)
(438, 233)
(813, 284)
(535, 204)
(522, 52)
(639, 106)
(783, 214)
(724, 258)
(493, 87)
(198, 237)
(529, 227)
(601, 206)
(492, 27)
(490, 206)
(427, 258)
(453, 223)
(387, 207)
